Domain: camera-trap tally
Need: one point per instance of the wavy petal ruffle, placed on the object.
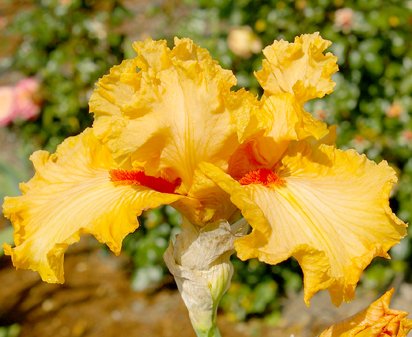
(330, 211)
(167, 110)
(377, 320)
(299, 68)
(70, 194)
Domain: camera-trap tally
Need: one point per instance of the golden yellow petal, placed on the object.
(269, 130)
(205, 202)
(248, 117)
(172, 113)
(70, 194)
(299, 68)
(289, 120)
(378, 320)
(331, 213)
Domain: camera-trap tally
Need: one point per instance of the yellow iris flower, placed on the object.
(169, 130)
(378, 320)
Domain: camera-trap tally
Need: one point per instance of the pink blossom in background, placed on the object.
(321, 114)
(25, 103)
(407, 136)
(7, 112)
(344, 19)
(19, 102)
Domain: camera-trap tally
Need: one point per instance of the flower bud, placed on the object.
(199, 259)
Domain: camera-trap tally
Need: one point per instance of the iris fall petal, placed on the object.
(329, 210)
(70, 194)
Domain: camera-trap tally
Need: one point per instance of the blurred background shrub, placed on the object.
(66, 45)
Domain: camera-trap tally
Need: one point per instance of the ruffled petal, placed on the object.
(174, 110)
(290, 120)
(249, 117)
(377, 320)
(329, 209)
(269, 129)
(299, 68)
(70, 194)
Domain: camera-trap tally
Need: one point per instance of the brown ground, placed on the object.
(97, 301)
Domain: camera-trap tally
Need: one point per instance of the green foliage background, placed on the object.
(68, 45)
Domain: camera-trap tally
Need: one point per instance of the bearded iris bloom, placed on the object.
(169, 129)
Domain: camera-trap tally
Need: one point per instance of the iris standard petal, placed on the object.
(70, 194)
(290, 120)
(270, 127)
(327, 208)
(299, 68)
(173, 112)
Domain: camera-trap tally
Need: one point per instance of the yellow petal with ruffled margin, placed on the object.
(171, 113)
(267, 129)
(248, 117)
(378, 320)
(70, 194)
(299, 68)
(280, 117)
(331, 213)
(289, 121)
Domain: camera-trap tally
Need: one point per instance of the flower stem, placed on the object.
(212, 332)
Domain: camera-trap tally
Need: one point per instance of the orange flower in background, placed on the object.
(395, 110)
(169, 129)
(378, 320)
